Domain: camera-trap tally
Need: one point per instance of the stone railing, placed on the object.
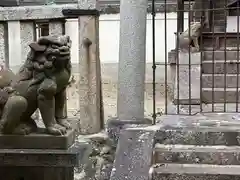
(18, 30)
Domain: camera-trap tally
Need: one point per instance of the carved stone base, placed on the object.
(37, 141)
(50, 164)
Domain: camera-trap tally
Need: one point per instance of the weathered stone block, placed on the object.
(187, 90)
(42, 12)
(7, 3)
(220, 54)
(190, 154)
(215, 129)
(37, 141)
(232, 80)
(194, 171)
(36, 164)
(220, 95)
(134, 154)
(221, 67)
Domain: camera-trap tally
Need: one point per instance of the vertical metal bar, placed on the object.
(180, 15)
(237, 88)
(166, 61)
(213, 61)
(179, 29)
(154, 62)
(189, 61)
(225, 57)
(201, 55)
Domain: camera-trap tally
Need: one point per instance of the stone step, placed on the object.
(219, 107)
(194, 171)
(206, 108)
(220, 55)
(218, 80)
(202, 129)
(221, 67)
(229, 48)
(190, 154)
(220, 39)
(220, 95)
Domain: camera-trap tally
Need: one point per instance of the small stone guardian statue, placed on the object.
(40, 83)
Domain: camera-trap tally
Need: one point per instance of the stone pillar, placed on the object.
(132, 55)
(3, 45)
(14, 44)
(89, 76)
(131, 71)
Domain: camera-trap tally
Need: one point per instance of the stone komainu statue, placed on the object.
(40, 83)
(189, 38)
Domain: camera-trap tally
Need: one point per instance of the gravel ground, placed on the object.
(110, 99)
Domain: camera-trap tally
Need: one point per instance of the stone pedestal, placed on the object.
(41, 157)
(37, 140)
(9, 3)
(182, 82)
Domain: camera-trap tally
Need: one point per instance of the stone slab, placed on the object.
(194, 171)
(220, 55)
(202, 129)
(37, 141)
(37, 173)
(9, 3)
(73, 156)
(206, 108)
(195, 177)
(220, 95)
(190, 154)
(232, 81)
(182, 82)
(134, 154)
(42, 12)
(115, 126)
(220, 67)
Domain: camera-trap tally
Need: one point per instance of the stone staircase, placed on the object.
(203, 146)
(201, 150)
(195, 162)
(220, 68)
(214, 73)
(220, 75)
(181, 147)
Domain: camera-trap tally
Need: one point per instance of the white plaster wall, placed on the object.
(232, 24)
(109, 36)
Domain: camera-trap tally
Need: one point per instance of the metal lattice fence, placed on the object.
(204, 66)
